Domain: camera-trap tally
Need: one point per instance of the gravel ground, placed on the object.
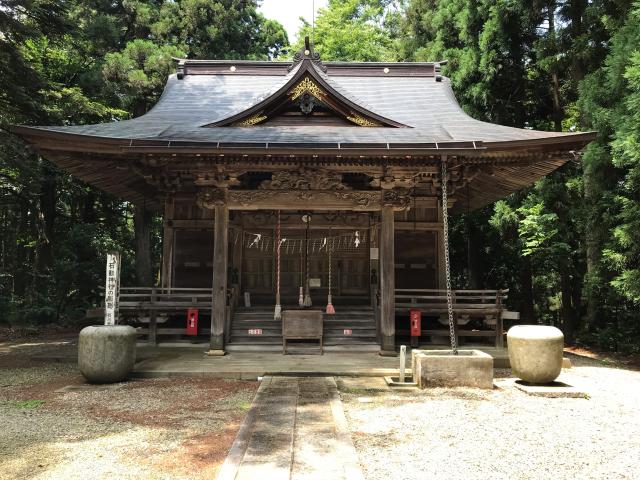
(54, 426)
(504, 433)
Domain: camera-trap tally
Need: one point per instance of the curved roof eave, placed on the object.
(61, 140)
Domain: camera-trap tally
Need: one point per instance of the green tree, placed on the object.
(136, 76)
(223, 29)
(353, 30)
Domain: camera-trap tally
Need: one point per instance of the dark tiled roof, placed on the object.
(199, 99)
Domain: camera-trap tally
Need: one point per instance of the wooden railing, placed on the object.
(467, 304)
(163, 299)
(153, 301)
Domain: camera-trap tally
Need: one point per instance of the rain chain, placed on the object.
(447, 265)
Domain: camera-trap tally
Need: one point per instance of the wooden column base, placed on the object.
(388, 346)
(216, 344)
(216, 353)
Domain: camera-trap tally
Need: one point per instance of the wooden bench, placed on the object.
(467, 304)
(302, 325)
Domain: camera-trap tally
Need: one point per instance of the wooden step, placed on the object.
(360, 320)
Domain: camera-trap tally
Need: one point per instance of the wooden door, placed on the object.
(193, 259)
(415, 259)
(349, 266)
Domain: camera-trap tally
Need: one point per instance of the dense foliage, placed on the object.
(568, 247)
(65, 62)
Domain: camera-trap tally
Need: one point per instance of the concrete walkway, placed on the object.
(295, 430)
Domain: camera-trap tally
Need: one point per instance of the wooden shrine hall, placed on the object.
(305, 183)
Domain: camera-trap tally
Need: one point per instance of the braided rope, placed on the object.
(301, 291)
(330, 308)
(307, 293)
(330, 251)
(279, 244)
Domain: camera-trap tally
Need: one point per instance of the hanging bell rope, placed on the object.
(301, 291)
(330, 308)
(307, 295)
(277, 314)
(447, 264)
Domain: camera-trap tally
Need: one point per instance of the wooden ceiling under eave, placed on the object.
(499, 181)
(111, 176)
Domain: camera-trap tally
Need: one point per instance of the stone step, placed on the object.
(258, 340)
(239, 317)
(326, 324)
(327, 334)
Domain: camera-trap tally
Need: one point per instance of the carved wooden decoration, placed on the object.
(251, 121)
(219, 180)
(211, 197)
(307, 85)
(305, 179)
(398, 198)
(303, 200)
(363, 122)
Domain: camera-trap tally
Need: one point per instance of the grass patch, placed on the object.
(27, 404)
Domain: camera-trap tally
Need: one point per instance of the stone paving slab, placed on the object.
(552, 390)
(301, 436)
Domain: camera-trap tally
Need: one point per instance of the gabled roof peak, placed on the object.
(308, 53)
(307, 86)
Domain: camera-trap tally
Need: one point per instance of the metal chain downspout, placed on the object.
(447, 265)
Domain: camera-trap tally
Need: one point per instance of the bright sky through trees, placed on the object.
(288, 13)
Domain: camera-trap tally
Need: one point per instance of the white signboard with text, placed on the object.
(112, 288)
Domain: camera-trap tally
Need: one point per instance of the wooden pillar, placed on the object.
(220, 259)
(387, 282)
(153, 320)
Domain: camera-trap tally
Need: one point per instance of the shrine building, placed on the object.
(303, 180)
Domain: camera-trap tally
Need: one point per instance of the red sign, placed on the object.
(255, 331)
(415, 316)
(348, 331)
(192, 321)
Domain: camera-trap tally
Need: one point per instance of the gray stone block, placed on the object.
(106, 353)
(535, 352)
(441, 368)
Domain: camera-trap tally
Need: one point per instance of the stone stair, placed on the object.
(358, 321)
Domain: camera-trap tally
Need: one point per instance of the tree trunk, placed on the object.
(473, 247)
(21, 260)
(569, 318)
(142, 228)
(45, 217)
(89, 207)
(592, 244)
(558, 113)
(526, 280)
